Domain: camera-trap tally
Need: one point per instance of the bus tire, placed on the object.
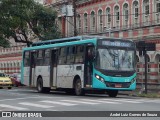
(112, 93)
(78, 88)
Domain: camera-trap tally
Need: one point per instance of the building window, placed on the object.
(117, 16)
(100, 21)
(125, 15)
(157, 11)
(85, 23)
(70, 26)
(145, 12)
(79, 23)
(93, 22)
(135, 14)
(108, 13)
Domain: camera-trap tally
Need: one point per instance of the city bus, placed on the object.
(80, 64)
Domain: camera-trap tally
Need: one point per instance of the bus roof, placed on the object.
(69, 39)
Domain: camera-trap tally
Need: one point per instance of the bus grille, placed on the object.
(118, 84)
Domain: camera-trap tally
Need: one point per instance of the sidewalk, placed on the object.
(141, 93)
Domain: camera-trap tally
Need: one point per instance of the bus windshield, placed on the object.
(115, 59)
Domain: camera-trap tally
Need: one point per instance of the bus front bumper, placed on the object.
(114, 85)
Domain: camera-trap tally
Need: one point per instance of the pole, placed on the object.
(74, 17)
(145, 53)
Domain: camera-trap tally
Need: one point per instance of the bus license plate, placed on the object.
(118, 85)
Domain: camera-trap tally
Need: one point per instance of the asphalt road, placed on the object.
(24, 99)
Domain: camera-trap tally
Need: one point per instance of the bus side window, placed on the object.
(46, 57)
(70, 54)
(26, 59)
(33, 59)
(39, 58)
(62, 56)
(79, 57)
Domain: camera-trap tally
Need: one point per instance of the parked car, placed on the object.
(5, 81)
(16, 79)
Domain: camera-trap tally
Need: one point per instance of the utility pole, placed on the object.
(146, 61)
(74, 16)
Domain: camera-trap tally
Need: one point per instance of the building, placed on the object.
(132, 19)
(10, 58)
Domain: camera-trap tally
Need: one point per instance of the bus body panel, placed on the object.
(54, 81)
(33, 80)
(43, 71)
(25, 76)
(66, 74)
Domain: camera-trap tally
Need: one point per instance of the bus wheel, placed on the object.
(112, 93)
(78, 88)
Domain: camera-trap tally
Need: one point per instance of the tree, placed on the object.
(25, 20)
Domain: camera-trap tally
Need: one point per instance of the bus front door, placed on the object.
(88, 66)
(53, 68)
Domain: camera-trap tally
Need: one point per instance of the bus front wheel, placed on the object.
(112, 93)
(78, 88)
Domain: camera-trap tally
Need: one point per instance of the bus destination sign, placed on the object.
(116, 43)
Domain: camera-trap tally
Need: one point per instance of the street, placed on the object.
(25, 99)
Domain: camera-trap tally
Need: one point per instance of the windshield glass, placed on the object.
(115, 59)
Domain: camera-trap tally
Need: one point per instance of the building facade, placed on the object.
(10, 59)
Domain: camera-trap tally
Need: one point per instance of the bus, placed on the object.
(80, 64)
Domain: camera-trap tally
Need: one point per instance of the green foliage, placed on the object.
(20, 19)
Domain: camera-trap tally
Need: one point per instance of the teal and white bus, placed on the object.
(80, 64)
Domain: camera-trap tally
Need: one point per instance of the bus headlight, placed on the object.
(99, 78)
(133, 80)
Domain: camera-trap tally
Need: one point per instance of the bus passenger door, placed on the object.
(32, 70)
(88, 66)
(53, 68)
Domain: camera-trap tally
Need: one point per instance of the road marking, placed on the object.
(35, 105)
(13, 107)
(60, 103)
(101, 101)
(80, 102)
(35, 96)
(121, 100)
(13, 90)
(148, 100)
